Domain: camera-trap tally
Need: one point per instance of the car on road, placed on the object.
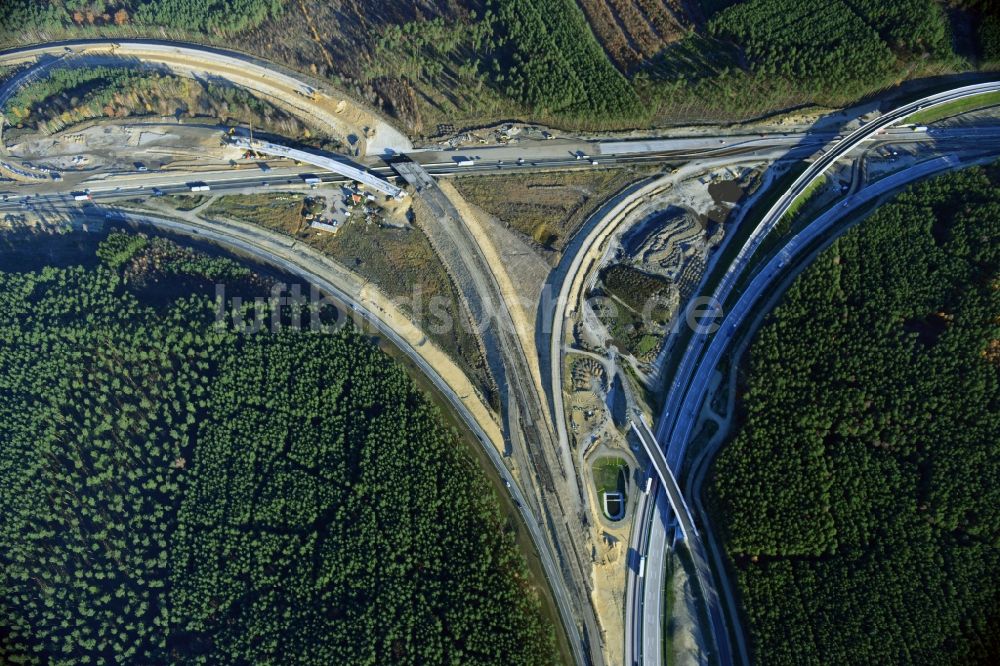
(141, 167)
(157, 192)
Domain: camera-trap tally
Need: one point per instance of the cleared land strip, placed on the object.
(560, 503)
(379, 309)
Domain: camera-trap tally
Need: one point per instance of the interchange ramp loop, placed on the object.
(326, 163)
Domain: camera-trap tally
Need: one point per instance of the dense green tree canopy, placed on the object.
(207, 16)
(174, 491)
(860, 499)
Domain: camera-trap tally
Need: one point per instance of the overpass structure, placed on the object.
(695, 545)
(678, 418)
(690, 383)
(671, 413)
(685, 522)
(327, 163)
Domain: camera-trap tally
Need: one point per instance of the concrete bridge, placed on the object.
(326, 163)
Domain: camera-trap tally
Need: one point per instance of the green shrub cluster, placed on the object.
(820, 43)
(632, 286)
(761, 55)
(551, 61)
(860, 499)
(989, 38)
(218, 17)
(69, 95)
(176, 492)
(908, 26)
(539, 54)
(215, 17)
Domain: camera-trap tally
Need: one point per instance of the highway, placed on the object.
(768, 221)
(129, 184)
(309, 98)
(765, 276)
(298, 259)
(678, 417)
(338, 166)
(692, 539)
(776, 274)
(526, 423)
(655, 569)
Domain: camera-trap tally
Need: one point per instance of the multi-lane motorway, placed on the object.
(690, 383)
(128, 184)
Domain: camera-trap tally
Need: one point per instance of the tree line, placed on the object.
(219, 17)
(860, 496)
(177, 492)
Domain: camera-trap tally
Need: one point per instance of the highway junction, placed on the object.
(528, 440)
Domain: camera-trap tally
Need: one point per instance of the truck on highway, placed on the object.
(311, 181)
(920, 128)
(648, 485)
(199, 187)
(642, 567)
(464, 161)
(81, 196)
